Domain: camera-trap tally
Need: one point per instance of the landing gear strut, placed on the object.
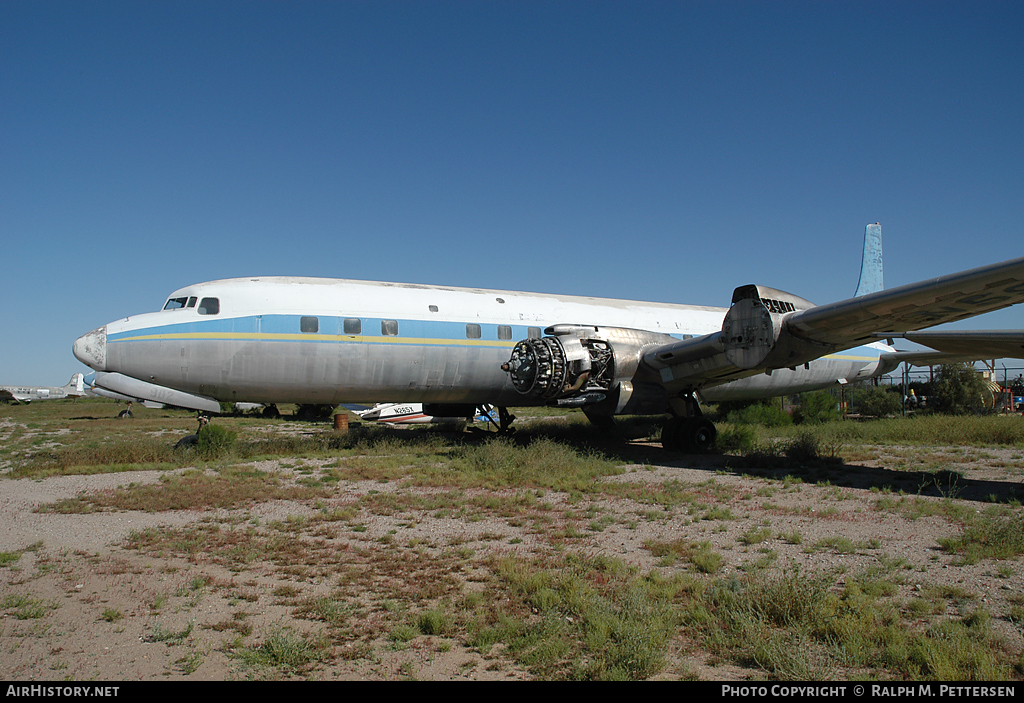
(689, 433)
(503, 423)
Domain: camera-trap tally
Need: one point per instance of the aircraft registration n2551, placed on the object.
(326, 341)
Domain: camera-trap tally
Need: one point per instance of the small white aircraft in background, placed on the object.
(326, 341)
(414, 414)
(26, 394)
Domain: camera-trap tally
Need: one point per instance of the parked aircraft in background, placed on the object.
(414, 414)
(26, 394)
(325, 341)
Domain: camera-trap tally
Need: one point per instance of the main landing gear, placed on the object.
(688, 434)
(688, 431)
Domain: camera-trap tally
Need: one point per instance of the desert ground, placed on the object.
(390, 560)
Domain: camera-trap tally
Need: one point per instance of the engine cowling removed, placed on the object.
(550, 368)
(578, 366)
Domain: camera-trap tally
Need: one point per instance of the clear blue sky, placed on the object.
(648, 150)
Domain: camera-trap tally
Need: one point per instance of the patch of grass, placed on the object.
(162, 634)
(25, 607)
(935, 430)
(838, 544)
(111, 614)
(795, 626)
(228, 488)
(90, 457)
(434, 622)
(595, 619)
(988, 537)
(755, 536)
(542, 463)
(284, 650)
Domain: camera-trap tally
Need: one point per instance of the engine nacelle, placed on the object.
(752, 326)
(578, 366)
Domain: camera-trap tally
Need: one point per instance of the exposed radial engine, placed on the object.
(579, 366)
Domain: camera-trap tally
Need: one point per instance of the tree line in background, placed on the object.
(956, 389)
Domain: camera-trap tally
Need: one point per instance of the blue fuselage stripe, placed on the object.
(330, 330)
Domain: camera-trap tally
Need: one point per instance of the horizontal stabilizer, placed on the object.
(925, 358)
(984, 344)
(955, 346)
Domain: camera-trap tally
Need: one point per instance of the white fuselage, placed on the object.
(308, 340)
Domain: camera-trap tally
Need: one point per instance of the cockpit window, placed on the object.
(209, 306)
(192, 302)
(175, 303)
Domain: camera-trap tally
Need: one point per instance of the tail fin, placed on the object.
(871, 264)
(76, 384)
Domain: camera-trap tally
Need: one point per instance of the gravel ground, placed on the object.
(106, 604)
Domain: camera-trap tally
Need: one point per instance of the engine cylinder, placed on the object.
(538, 367)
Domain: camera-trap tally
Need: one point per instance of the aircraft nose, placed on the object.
(91, 349)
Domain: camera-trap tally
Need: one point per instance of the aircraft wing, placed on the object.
(912, 307)
(7, 395)
(767, 329)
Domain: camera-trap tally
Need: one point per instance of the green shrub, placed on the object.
(736, 438)
(764, 414)
(957, 390)
(215, 441)
(816, 407)
(877, 401)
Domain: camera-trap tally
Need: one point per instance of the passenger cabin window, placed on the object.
(504, 332)
(472, 331)
(209, 306)
(352, 325)
(389, 328)
(533, 332)
(309, 325)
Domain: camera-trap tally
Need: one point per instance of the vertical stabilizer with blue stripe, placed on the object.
(871, 264)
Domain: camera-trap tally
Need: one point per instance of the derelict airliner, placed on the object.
(326, 341)
(26, 394)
